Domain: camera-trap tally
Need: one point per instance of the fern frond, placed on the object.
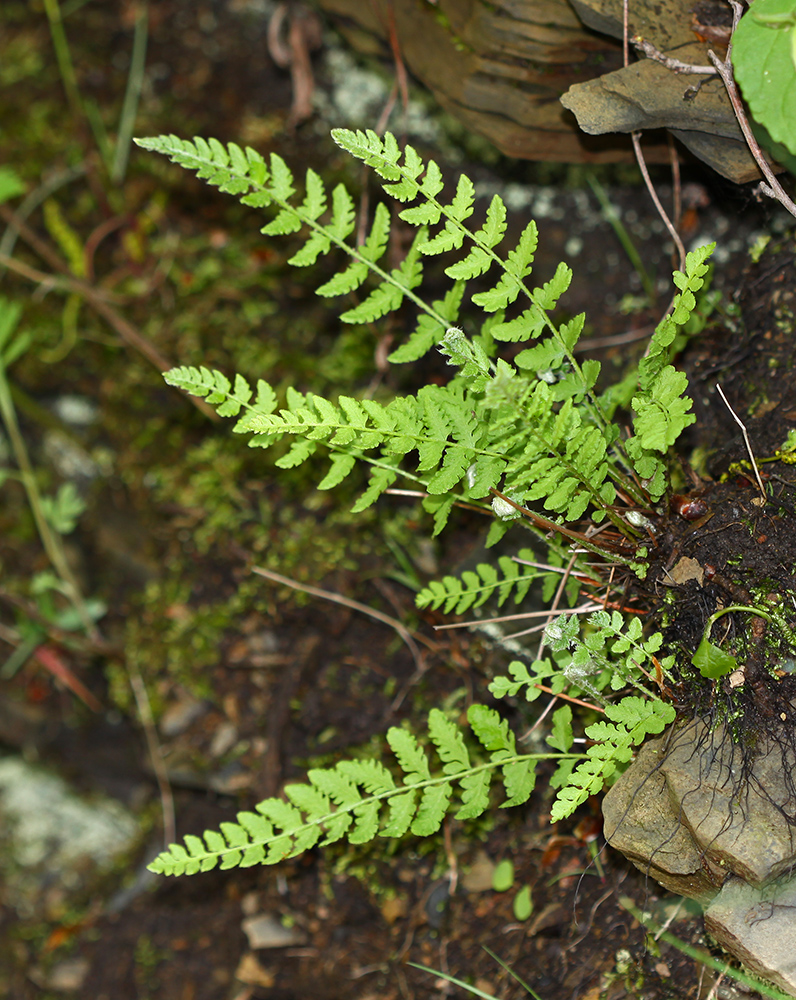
(261, 185)
(486, 429)
(632, 720)
(661, 409)
(473, 588)
(605, 654)
(358, 800)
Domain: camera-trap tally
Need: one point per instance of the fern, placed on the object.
(610, 655)
(522, 434)
(661, 409)
(464, 441)
(475, 587)
(360, 799)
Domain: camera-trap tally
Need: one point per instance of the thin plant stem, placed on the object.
(64, 58)
(747, 442)
(642, 164)
(411, 639)
(703, 957)
(155, 753)
(49, 538)
(773, 189)
(612, 216)
(132, 95)
(547, 613)
(126, 331)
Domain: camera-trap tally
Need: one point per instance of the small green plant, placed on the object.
(527, 434)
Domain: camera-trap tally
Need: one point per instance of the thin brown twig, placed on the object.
(642, 164)
(747, 442)
(155, 753)
(410, 638)
(675, 65)
(567, 697)
(126, 331)
(582, 610)
(723, 68)
(677, 191)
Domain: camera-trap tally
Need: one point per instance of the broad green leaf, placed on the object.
(764, 65)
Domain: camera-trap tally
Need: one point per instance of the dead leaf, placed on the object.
(687, 569)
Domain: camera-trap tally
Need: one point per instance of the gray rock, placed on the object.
(691, 814)
(679, 814)
(758, 926)
(52, 838)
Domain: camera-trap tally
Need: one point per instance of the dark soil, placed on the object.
(300, 683)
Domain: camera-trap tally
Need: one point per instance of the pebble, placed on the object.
(265, 931)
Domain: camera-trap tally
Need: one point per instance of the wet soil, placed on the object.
(302, 682)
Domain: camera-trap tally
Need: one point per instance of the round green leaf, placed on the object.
(713, 662)
(523, 904)
(503, 875)
(763, 62)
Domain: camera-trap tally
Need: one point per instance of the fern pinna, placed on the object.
(525, 434)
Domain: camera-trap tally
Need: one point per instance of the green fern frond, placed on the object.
(262, 185)
(358, 800)
(605, 654)
(661, 409)
(455, 595)
(385, 157)
(463, 441)
(632, 720)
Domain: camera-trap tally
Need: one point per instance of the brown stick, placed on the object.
(126, 331)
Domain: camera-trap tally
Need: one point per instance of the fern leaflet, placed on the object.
(459, 594)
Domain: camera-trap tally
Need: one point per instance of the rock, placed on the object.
(758, 927)
(647, 95)
(265, 931)
(679, 814)
(498, 67)
(67, 976)
(52, 837)
(501, 66)
(181, 714)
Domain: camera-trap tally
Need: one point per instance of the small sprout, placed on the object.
(639, 520)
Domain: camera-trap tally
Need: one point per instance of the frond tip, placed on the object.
(347, 801)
